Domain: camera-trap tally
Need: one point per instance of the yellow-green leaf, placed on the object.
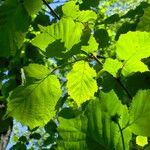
(34, 104)
(141, 140)
(81, 84)
(132, 48)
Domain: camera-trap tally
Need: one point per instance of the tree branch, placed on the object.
(55, 14)
(125, 89)
(95, 58)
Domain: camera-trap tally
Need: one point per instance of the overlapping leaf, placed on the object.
(13, 24)
(33, 6)
(132, 48)
(36, 71)
(34, 104)
(70, 9)
(144, 24)
(81, 84)
(112, 66)
(94, 129)
(91, 47)
(140, 112)
(66, 30)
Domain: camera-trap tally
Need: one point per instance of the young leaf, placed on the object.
(132, 47)
(141, 140)
(92, 45)
(112, 66)
(139, 113)
(34, 103)
(81, 84)
(70, 9)
(66, 30)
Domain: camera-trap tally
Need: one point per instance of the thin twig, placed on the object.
(125, 89)
(68, 63)
(45, 2)
(95, 58)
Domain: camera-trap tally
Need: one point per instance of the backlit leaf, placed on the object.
(140, 112)
(70, 9)
(141, 141)
(132, 47)
(91, 47)
(112, 66)
(81, 84)
(94, 128)
(66, 30)
(34, 104)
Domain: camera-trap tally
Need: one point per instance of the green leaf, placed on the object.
(36, 71)
(70, 9)
(13, 25)
(139, 113)
(66, 30)
(81, 84)
(112, 66)
(34, 104)
(92, 45)
(33, 6)
(102, 37)
(94, 129)
(132, 47)
(141, 141)
(86, 4)
(144, 24)
(72, 133)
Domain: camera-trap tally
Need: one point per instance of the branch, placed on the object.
(55, 14)
(95, 58)
(125, 89)
(68, 63)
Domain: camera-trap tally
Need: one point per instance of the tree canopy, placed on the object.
(74, 74)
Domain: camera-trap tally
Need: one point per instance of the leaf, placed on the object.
(132, 47)
(66, 30)
(108, 83)
(102, 37)
(144, 25)
(70, 9)
(112, 66)
(72, 133)
(81, 84)
(137, 81)
(91, 47)
(14, 22)
(34, 104)
(36, 71)
(139, 113)
(94, 129)
(141, 141)
(33, 6)
(86, 4)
